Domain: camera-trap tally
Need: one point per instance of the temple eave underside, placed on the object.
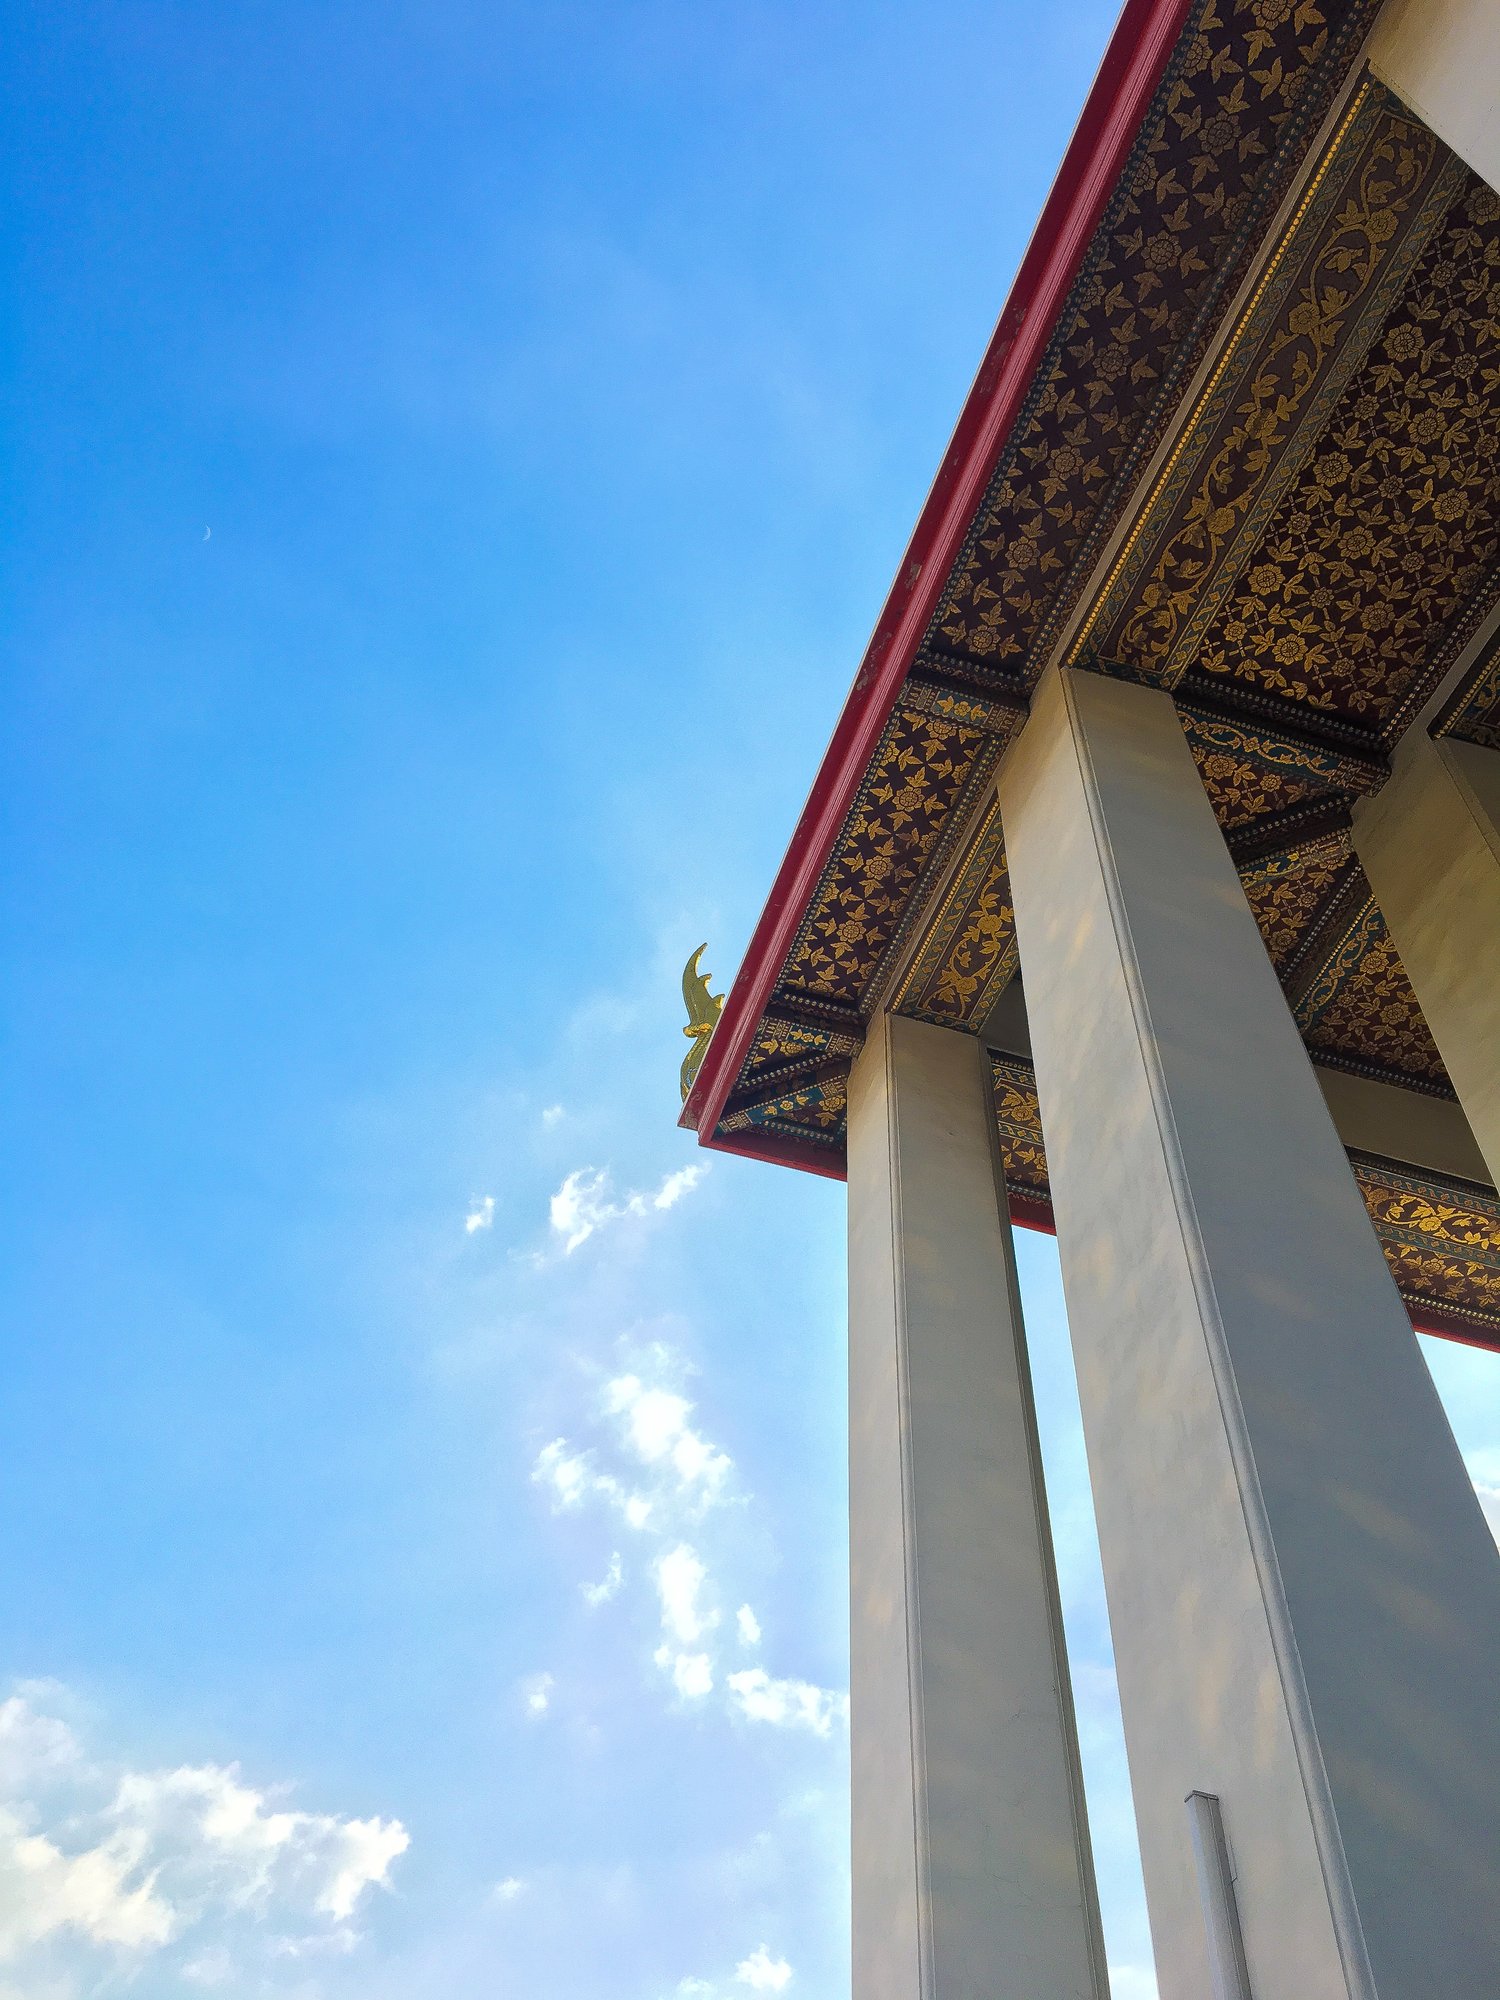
(1256, 469)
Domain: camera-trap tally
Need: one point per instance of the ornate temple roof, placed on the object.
(1233, 437)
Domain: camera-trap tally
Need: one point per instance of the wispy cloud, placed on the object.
(481, 1214)
(585, 1204)
(680, 1577)
(536, 1694)
(552, 1115)
(665, 1477)
(595, 1594)
(657, 1431)
(99, 1856)
(786, 1704)
(508, 1891)
(762, 1973)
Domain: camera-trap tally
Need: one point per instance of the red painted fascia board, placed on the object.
(1452, 1326)
(1138, 52)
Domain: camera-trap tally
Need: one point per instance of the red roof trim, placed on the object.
(1138, 51)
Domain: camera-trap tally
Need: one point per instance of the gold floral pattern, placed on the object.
(1286, 892)
(1395, 520)
(1441, 1240)
(1383, 188)
(1249, 771)
(919, 772)
(1019, 1117)
(1249, 77)
(813, 1110)
(1359, 1005)
(970, 948)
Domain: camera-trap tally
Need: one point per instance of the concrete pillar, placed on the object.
(972, 1871)
(1430, 844)
(1442, 59)
(1304, 1597)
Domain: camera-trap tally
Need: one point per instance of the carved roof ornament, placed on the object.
(703, 1010)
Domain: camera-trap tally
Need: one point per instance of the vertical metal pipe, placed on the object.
(1226, 1944)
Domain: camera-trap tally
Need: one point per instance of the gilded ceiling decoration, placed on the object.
(1248, 85)
(1287, 892)
(1354, 1003)
(1250, 770)
(1375, 203)
(918, 775)
(969, 951)
(1019, 1117)
(1395, 520)
(1440, 1238)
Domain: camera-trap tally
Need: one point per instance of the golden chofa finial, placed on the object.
(703, 1010)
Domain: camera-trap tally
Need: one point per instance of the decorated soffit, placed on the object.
(1264, 432)
(1247, 87)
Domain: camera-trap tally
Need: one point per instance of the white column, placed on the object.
(1430, 844)
(972, 1871)
(1304, 1597)
(1442, 59)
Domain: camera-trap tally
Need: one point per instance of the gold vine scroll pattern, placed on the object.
(813, 1111)
(970, 949)
(1019, 1118)
(1248, 67)
(1396, 520)
(1289, 358)
(1442, 1243)
(1249, 772)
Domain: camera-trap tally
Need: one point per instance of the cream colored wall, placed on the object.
(972, 1878)
(1430, 844)
(1442, 59)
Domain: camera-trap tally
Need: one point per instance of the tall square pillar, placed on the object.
(1430, 844)
(1303, 1594)
(972, 1871)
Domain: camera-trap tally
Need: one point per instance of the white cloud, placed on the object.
(98, 1856)
(583, 1205)
(552, 1115)
(786, 1704)
(481, 1213)
(508, 1891)
(748, 1626)
(536, 1693)
(680, 1576)
(657, 1431)
(692, 1673)
(1489, 1500)
(595, 1594)
(763, 1973)
(571, 1478)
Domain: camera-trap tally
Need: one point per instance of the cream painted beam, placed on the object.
(1442, 59)
(1430, 844)
(972, 1871)
(1304, 1596)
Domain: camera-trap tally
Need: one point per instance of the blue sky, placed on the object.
(455, 455)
